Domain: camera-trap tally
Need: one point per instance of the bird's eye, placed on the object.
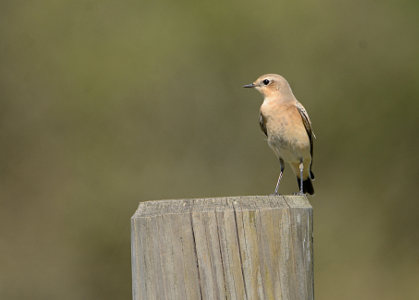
(266, 81)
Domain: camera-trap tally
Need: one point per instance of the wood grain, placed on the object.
(252, 247)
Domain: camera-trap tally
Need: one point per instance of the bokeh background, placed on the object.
(104, 104)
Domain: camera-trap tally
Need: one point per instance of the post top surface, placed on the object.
(180, 206)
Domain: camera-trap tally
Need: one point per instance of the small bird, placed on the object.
(287, 126)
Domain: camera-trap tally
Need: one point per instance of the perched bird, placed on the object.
(287, 126)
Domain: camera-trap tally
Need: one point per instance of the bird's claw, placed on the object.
(275, 194)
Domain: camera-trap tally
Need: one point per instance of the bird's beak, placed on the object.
(251, 85)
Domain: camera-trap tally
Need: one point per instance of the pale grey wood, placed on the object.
(252, 247)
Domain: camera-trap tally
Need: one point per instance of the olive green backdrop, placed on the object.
(107, 103)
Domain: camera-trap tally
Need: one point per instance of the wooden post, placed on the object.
(253, 247)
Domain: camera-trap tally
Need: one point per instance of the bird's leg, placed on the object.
(301, 177)
(281, 163)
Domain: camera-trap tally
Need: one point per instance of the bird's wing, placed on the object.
(306, 120)
(262, 123)
(309, 129)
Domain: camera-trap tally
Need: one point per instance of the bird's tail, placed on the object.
(307, 186)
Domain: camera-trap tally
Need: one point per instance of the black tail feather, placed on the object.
(307, 186)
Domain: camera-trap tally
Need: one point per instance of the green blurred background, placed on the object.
(108, 103)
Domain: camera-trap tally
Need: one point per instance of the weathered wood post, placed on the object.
(253, 247)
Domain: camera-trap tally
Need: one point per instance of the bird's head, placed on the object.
(271, 85)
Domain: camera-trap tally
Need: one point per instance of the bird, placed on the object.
(288, 129)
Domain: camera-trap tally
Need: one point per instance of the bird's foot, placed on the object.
(275, 194)
(299, 194)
